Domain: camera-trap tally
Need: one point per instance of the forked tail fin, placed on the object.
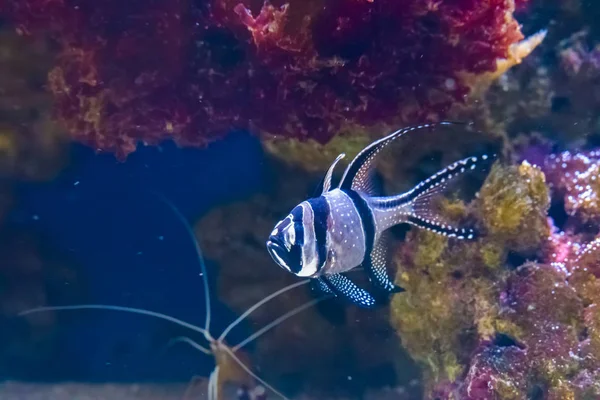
(415, 206)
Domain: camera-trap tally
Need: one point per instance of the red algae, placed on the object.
(145, 71)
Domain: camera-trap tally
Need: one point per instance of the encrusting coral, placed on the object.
(144, 71)
(576, 176)
(484, 322)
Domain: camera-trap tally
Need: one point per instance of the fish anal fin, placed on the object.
(341, 286)
(375, 265)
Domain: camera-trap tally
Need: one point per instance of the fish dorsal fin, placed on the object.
(329, 174)
(325, 183)
(359, 173)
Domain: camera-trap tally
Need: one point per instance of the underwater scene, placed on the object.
(300, 199)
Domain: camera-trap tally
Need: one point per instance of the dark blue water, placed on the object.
(133, 251)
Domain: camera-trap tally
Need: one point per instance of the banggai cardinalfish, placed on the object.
(345, 227)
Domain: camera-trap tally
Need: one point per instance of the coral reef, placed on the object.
(484, 322)
(455, 284)
(513, 315)
(576, 177)
(146, 71)
(312, 155)
(552, 93)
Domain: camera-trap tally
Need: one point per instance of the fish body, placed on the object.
(345, 227)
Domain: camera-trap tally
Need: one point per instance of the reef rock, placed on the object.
(486, 324)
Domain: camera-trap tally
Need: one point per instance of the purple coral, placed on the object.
(576, 177)
(496, 370)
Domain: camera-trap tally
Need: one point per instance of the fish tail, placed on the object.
(415, 206)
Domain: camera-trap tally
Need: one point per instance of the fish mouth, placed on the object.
(277, 251)
(273, 245)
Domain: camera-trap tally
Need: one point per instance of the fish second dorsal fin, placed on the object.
(359, 173)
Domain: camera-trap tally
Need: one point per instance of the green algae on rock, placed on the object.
(513, 205)
(453, 287)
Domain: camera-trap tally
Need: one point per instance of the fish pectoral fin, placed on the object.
(340, 285)
(376, 266)
(319, 286)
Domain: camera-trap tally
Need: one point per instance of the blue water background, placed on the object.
(134, 252)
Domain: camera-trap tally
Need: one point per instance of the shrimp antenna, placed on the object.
(278, 321)
(194, 239)
(132, 310)
(259, 304)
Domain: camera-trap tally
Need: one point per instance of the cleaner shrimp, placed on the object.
(229, 366)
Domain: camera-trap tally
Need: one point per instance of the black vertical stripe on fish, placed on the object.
(297, 214)
(295, 254)
(321, 210)
(366, 218)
